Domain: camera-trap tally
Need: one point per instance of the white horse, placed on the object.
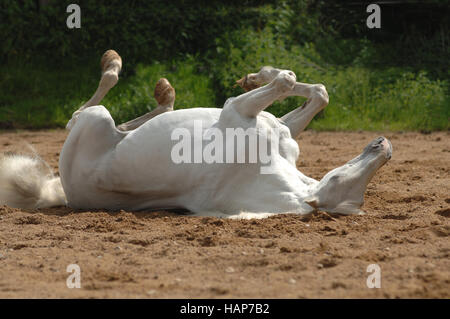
(132, 166)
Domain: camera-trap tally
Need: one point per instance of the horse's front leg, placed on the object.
(298, 119)
(250, 104)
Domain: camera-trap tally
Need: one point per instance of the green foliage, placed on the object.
(134, 96)
(395, 78)
(38, 96)
(35, 95)
(360, 97)
(364, 99)
(141, 30)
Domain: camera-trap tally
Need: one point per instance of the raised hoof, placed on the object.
(109, 59)
(247, 83)
(164, 92)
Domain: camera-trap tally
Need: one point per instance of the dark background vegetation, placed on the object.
(392, 78)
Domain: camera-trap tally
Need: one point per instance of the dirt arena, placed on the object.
(164, 255)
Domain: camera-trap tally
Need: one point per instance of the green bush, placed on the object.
(360, 97)
(394, 78)
(38, 96)
(141, 30)
(134, 96)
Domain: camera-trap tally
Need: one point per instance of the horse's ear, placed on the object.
(313, 202)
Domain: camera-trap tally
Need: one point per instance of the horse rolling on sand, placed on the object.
(131, 166)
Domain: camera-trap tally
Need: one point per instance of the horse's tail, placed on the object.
(28, 182)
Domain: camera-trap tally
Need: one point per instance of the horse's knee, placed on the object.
(320, 93)
(284, 81)
(98, 111)
(95, 131)
(95, 118)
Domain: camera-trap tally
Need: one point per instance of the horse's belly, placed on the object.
(143, 160)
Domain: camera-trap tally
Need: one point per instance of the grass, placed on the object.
(133, 96)
(361, 97)
(41, 95)
(35, 96)
(374, 101)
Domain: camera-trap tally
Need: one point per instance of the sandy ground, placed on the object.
(164, 255)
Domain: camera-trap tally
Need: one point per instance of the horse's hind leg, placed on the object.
(83, 162)
(111, 64)
(164, 95)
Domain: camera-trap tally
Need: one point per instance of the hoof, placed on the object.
(164, 92)
(109, 59)
(247, 83)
